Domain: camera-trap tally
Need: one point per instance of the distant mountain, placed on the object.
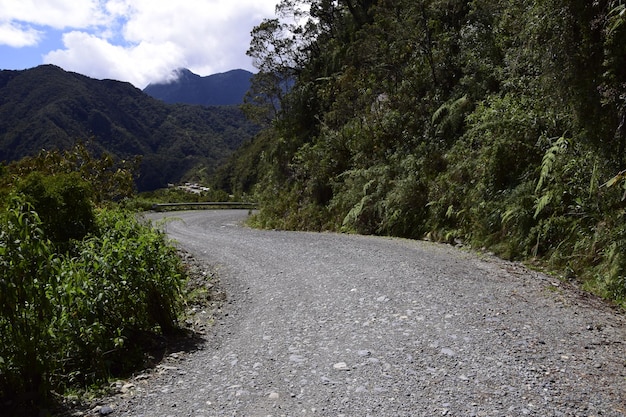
(224, 89)
(48, 108)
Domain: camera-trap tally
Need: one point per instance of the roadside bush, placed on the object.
(27, 267)
(63, 202)
(72, 320)
(111, 180)
(146, 269)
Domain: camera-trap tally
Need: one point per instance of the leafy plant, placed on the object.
(75, 318)
(620, 177)
(547, 164)
(83, 285)
(63, 202)
(27, 269)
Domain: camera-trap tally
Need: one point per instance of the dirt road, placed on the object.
(345, 325)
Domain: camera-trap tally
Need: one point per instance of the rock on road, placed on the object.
(346, 325)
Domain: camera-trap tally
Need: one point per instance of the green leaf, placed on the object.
(542, 203)
(548, 160)
(621, 176)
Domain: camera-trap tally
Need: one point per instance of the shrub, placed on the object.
(26, 309)
(63, 201)
(69, 320)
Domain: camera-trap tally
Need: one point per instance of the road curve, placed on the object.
(345, 325)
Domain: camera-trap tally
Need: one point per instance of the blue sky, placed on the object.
(139, 41)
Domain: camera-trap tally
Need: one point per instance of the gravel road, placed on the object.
(346, 325)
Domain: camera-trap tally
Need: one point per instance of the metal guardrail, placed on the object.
(213, 204)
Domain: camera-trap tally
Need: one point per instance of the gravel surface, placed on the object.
(346, 325)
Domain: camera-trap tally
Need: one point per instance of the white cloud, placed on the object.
(214, 34)
(22, 22)
(139, 64)
(58, 14)
(18, 36)
(140, 41)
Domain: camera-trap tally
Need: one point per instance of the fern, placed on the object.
(450, 113)
(542, 202)
(617, 16)
(450, 212)
(509, 215)
(354, 213)
(548, 160)
(547, 165)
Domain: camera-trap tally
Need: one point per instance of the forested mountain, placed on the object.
(48, 108)
(225, 89)
(498, 123)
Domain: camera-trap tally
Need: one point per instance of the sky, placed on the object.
(139, 41)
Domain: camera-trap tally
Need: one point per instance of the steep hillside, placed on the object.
(223, 89)
(499, 124)
(47, 108)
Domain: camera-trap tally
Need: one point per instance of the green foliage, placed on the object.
(239, 174)
(114, 178)
(63, 202)
(620, 177)
(63, 187)
(492, 122)
(75, 320)
(79, 285)
(145, 201)
(26, 267)
(134, 275)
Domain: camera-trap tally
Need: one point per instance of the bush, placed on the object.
(73, 320)
(63, 202)
(26, 307)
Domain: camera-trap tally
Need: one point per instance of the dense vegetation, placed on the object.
(83, 285)
(48, 108)
(498, 123)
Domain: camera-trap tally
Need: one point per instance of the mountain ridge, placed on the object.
(227, 88)
(46, 107)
